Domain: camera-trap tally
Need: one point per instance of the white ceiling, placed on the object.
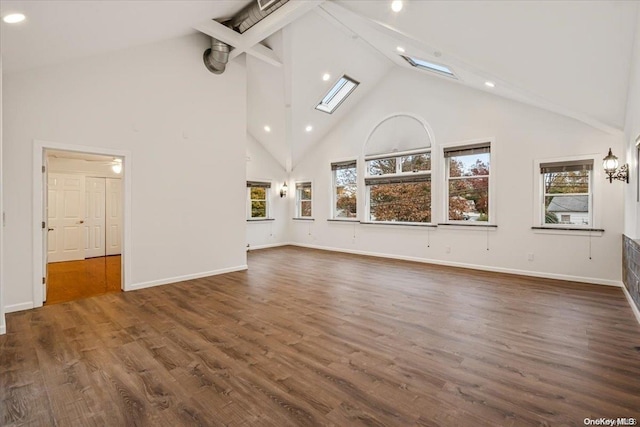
(61, 30)
(570, 57)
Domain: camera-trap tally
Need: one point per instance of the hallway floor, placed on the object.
(72, 280)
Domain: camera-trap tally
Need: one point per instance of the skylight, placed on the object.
(337, 94)
(429, 66)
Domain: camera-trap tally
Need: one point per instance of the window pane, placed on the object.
(346, 189)
(258, 209)
(305, 208)
(566, 209)
(469, 199)
(305, 193)
(258, 193)
(566, 182)
(382, 166)
(470, 165)
(415, 163)
(410, 202)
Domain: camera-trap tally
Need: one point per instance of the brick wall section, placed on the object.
(631, 267)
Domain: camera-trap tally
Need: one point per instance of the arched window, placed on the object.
(398, 171)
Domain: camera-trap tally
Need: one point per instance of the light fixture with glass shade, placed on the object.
(610, 165)
(117, 166)
(283, 190)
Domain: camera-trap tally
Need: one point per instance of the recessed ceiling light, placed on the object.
(400, 49)
(14, 18)
(309, 128)
(396, 5)
(267, 129)
(326, 76)
(489, 84)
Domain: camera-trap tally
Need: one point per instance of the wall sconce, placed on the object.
(610, 165)
(283, 190)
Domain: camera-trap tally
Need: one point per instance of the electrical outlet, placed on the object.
(529, 257)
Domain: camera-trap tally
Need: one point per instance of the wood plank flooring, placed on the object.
(307, 337)
(72, 280)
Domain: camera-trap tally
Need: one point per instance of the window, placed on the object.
(303, 200)
(337, 94)
(258, 199)
(467, 171)
(399, 187)
(429, 66)
(566, 188)
(345, 186)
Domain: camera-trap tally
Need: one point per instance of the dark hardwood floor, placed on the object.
(307, 337)
(72, 280)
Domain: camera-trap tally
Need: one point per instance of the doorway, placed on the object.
(83, 206)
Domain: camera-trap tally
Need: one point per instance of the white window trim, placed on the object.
(444, 173)
(268, 199)
(297, 213)
(332, 196)
(596, 184)
(398, 173)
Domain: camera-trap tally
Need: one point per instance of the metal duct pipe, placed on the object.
(216, 58)
(253, 13)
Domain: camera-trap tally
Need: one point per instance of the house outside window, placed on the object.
(467, 169)
(345, 189)
(567, 193)
(398, 187)
(258, 199)
(303, 200)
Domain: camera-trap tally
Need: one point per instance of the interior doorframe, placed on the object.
(39, 245)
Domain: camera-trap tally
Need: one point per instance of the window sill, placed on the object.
(350, 220)
(303, 219)
(260, 219)
(574, 231)
(467, 225)
(401, 224)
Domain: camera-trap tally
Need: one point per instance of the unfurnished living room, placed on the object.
(319, 212)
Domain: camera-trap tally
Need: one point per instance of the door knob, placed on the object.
(80, 222)
(51, 229)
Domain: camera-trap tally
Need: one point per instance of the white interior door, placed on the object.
(65, 212)
(95, 222)
(114, 216)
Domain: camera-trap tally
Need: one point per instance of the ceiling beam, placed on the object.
(249, 41)
(279, 19)
(223, 33)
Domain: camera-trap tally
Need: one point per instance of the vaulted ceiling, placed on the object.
(569, 57)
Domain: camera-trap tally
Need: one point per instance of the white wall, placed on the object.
(3, 325)
(632, 131)
(261, 166)
(185, 129)
(522, 134)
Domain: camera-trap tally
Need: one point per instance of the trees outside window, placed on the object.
(345, 189)
(303, 200)
(258, 199)
(399, 188)
(567, 191)
(468, 174)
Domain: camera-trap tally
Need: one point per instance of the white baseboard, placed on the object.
(18, 307)
(632, 303)
(590, 280)
(269, 245)
(176, 279)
